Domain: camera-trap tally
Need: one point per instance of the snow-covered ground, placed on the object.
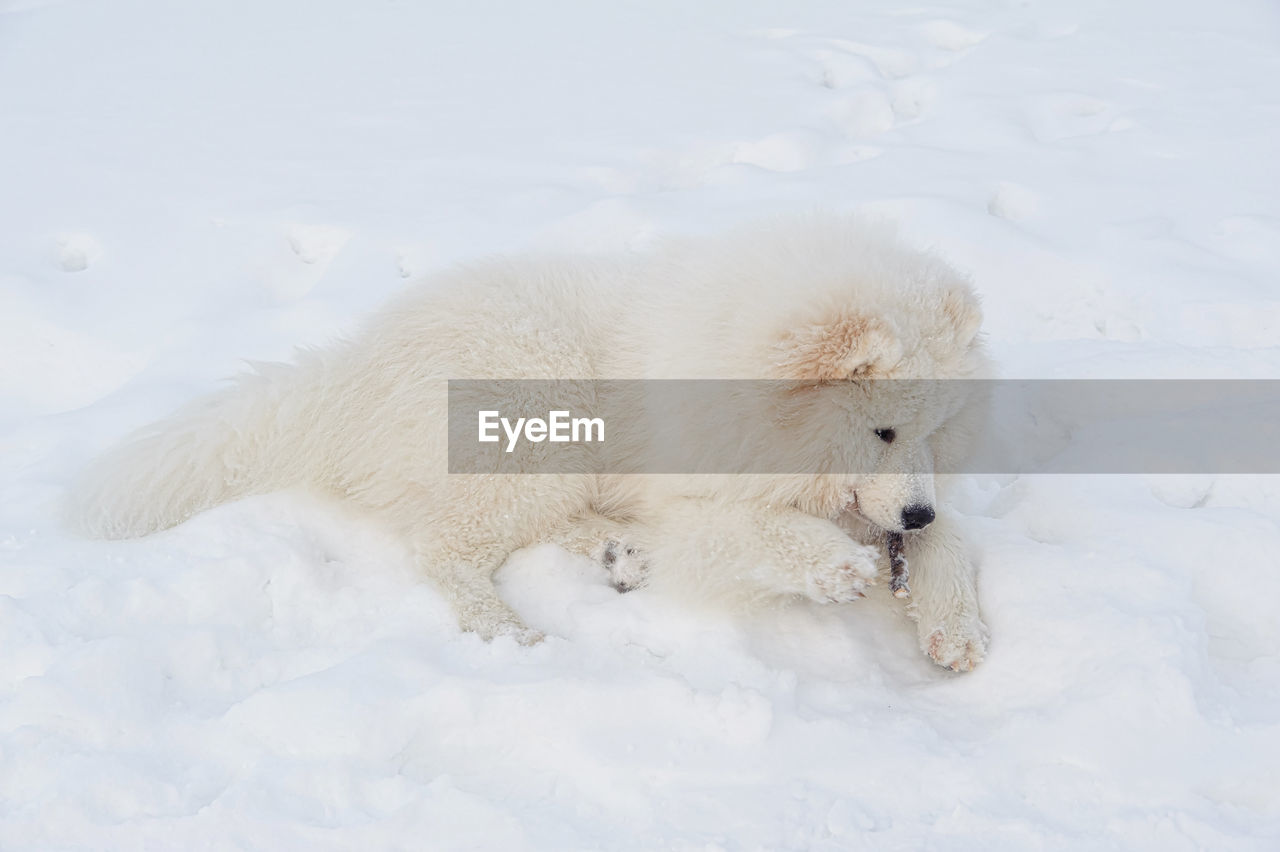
(185, 185)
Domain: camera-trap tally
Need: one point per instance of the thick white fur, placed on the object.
(823, 302)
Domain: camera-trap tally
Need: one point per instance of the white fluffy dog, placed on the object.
(824, 303)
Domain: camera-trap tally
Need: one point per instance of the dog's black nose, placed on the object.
(917, 517)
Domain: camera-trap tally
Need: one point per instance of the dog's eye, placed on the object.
(886, 435)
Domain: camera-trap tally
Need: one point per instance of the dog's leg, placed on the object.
(944, 596)
(753, 553)
(466, 581)
(463, 528)
(615, 545)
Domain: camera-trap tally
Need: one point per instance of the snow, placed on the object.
(191, 184)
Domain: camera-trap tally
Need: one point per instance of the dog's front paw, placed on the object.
(958, 644)
(627, 565)
(843, 575)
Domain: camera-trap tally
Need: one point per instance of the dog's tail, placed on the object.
(247, 439)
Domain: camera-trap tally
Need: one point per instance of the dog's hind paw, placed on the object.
(523, 635)
(489, 626)
(628, 567)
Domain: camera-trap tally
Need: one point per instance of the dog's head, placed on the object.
(865, 340)
(880, 386)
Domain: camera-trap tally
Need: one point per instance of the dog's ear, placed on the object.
(961, 315)
(850, 346)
